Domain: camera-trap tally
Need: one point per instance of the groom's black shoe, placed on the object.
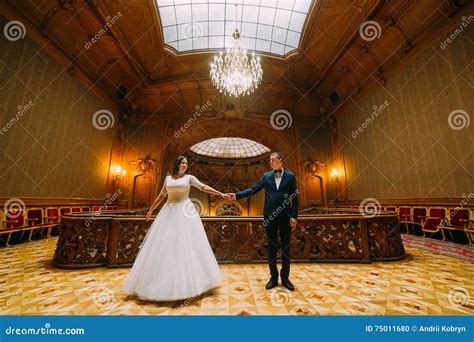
(287, 283)
(272, 283)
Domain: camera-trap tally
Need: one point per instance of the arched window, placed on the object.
(229, 209)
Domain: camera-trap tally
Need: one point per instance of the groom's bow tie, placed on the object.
(277, 172)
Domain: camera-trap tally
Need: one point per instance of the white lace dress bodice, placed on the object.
(178, 189)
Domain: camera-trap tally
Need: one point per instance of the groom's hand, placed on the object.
(293, 222)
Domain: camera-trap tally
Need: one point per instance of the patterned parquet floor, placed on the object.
(424, 283)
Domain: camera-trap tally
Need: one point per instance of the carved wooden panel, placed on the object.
(82, 242)
(322, 238)
(385, 239)
(129, 239)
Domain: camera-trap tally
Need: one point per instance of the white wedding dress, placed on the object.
(175, 260)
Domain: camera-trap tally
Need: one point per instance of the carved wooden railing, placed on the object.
(114, 240)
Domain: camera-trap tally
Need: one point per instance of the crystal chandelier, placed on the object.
(235, 74)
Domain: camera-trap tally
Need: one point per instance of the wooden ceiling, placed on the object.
(333, 59)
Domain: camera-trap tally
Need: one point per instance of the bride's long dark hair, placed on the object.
(176, 165)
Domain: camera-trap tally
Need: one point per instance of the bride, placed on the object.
(175, 260)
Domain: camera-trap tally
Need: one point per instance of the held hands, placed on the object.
(229, 196)
(293, 222)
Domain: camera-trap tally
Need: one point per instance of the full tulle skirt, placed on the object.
(175, 260)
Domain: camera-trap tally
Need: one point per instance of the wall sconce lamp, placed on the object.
(118, 172)
(335, 174)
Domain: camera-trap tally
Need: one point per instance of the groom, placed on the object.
(280, 214)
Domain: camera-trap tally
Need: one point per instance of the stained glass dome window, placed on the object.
(229, 148)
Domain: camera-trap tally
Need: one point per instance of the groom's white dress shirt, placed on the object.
(278, 179)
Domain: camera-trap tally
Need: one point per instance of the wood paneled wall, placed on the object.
(49, 146)
(409, 148)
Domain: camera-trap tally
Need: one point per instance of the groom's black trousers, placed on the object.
(281, 224)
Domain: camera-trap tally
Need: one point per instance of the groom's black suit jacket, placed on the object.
(283, 200)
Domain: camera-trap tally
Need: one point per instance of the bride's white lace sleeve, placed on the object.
(197, 183)
(164, 192)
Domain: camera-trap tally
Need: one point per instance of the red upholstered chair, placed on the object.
(455, 226)
(98, 208)
(85, 209)
(76, 209)
(469, 228)
(3, 220)
(34, 217)
(437, 212)
(114, 207)
(51, 219)
(404, 214)
(417, 221)
(3, 227)
(14, 223)
(51, 215)
(404, 217)
(15, 218)
(64, 210)
(109, 207)
(458, 217)
(391, 209)
(431, 226)
(35, 223)
(419, 215)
